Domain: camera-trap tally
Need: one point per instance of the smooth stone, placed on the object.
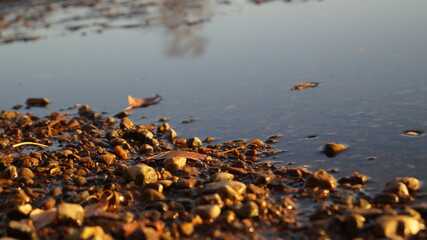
(397, 227)
(26, 172)
(194, 142)
(23, 229)
(398, 188)
(140, 174)
(175, 163)
(92, 232)
(126, 123)
(321, 179)
(214, 187)
(333, 149)
(186, 183)
(108, 159)
(210, 211)
(221, 176)
(120, 152)
(412, 183)
(151, 195)
(248, 210)
(186, 228)
(386, 198)
(170, 134)
(71, 213)
(210, 199)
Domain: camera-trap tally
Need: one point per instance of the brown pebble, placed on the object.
(321, 179)
(26, 172)
(209, 211)
(79, 181)
(333, 149)
(37, 102)
(120, 152)
(194, 142)
(151, 195)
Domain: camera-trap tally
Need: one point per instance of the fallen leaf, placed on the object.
(304, 86)
(136, 102)
(95, 208)
(178, 153)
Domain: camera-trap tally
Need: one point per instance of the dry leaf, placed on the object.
(305, 85)
(186, 154)
(136, 102)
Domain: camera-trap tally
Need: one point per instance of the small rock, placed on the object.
(120, 152)
(26, 181)
(210, 211)
(10, 172)
(353, 224)
(49, 203)
(156, 186)
(211, 199)
(397, 227)
(209, 140)
(194, 142)
(170, 134)
(146, 148)
(398, 188)
(84, 110)
(79, 181)
(355, 178)
(71, 213)
(221, 176)
(186, 228)
(413, 133)
(126, 124)
(144, 233)
(26, 172)
(92, 232)
(333, 149)
(263, 179)
(163, 128)
(37, 102)
(321, 179)
(175, 163)
(214, 187)
(248, 210)
(23, 229)
(20, 211)
(151, 195)
(140, 174)
(186, 183)
(412, 183)
(108, 159)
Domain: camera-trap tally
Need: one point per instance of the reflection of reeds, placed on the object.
(181, 18)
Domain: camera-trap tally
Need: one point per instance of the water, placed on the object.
(233, 74)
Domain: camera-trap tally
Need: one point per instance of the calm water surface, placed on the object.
(233, 74)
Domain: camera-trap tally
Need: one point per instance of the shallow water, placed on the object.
(233, 74)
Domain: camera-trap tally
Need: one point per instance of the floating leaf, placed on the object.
(136, 102)
(178, 153)
(305, 85)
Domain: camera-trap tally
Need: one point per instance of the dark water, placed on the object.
(233, 74)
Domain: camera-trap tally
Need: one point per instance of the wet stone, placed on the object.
(146, 148)
(248, 210)
(194, 142)
(23, 229)
(108, 159)
(210, 211)
(386, 198)
(321, 179)
(397, 227)
(20, 211)
(398, 188)
(26, 181)
(93, 232)
(126, 124)
(222, 176)
(10, 172)
(186, 228)
(211, 199)
(151, 195)
(170, 134)
(175, 163)
(26, 172)
(411, 183)
(69, 213)
(79, 181)
(333, 149)
(355, 178)
(140, 174)
(186, 183)
(120, 152)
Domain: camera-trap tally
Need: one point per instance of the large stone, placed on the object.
(140, 174)
(397, 226)
(222, 176)
(398, 188)
(71, 213)
(333, 149)
(248, 210)
(321, 179)
(411, 183)
(23, 229)
(175, 163)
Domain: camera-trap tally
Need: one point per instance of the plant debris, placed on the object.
(137, 103)
(302, 86)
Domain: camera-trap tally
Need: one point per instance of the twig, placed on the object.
(29, 143)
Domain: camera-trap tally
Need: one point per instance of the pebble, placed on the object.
(321, 179)
(120, 152)
(146, 148)
(26, 181)
(175, 163)
(151, 195)
(222, 176)
(140, 174)
(71, 213)
(412, 183)
(248, 210)
(26, 172)
(186, 183)
(10, 172)
(194, 142)
(398, 188)
(214, 187)
(23, 229)
(355, 178)
(186, 228)
(333, 149)
(79, 181)
(209, 211)
(413, 133)
(108, 159)
(171, 134)
(92, 232)
(397, 227)
(210, 199)
(126, 124)
(386, 198)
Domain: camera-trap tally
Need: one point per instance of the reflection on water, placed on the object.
(183, 21)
